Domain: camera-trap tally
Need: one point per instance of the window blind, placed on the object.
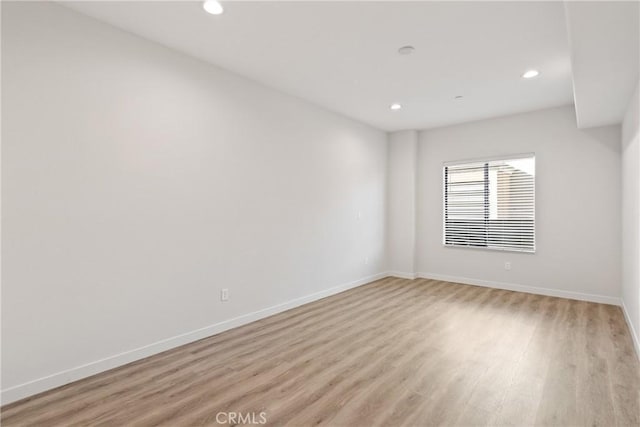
(490, 204)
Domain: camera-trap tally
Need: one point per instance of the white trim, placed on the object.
(485, 161)
(634, 334)
(64, 377)
(489, 248)
(61, 378)
(488, 159)
(603, 299)
(402, 275)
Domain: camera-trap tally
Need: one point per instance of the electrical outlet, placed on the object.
(359, 215)
(507, 265)
(366, 260)
(224, 295)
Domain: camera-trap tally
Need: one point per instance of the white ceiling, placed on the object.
(605, 48)
(343, 55)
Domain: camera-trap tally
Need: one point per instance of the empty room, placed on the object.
(338, 213)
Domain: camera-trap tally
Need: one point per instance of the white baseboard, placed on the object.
(58, 379)
(634, 333)
(39, 385)
(402, 275)
(604, 299)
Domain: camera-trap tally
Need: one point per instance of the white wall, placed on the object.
(631, 216)
(401, 189)
(138, 182)
(577, 205)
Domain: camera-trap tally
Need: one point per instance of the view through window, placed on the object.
(490, 204)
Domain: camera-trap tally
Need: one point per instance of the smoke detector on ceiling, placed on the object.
(406, 50)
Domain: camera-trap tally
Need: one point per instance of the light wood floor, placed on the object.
(393, 352)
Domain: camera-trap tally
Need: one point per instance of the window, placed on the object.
(490, 203)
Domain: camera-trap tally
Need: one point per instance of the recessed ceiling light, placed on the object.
(213, 7)
(531, 74)
(406, 50)
(395, 107)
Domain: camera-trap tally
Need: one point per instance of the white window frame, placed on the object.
(488, 160)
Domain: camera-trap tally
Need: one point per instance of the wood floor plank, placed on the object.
(393, 352)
